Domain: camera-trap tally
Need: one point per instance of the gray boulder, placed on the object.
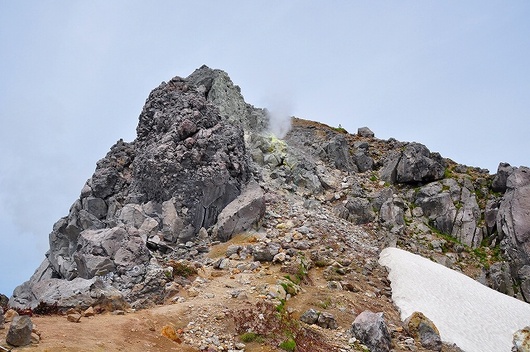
(501, 177)
(115, 250)
(499, 278)
(363, 161)
(415, 164)
(19, 333)
(2, 319)
(440, 211)
(423, 330)
(371, 329)
(338, 152)
(310, 316)
(242, 213)
(327, 321)
(67, 294)
(356, 210)
(391, 214)
(265, 253)
(365, 132)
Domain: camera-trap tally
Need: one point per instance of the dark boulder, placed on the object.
(19, 333)
(501, 177)
(414, 164)
(371, 329)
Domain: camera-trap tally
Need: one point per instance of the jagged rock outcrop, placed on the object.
(188, 162)
(513, 224)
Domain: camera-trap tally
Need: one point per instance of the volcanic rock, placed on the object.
(19, 333)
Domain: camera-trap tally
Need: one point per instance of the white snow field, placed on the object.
(475, 317)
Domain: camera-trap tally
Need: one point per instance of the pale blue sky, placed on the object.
(74, 75)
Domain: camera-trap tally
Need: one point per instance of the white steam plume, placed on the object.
(279, 113)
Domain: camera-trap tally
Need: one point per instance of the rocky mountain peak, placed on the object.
(204, 170)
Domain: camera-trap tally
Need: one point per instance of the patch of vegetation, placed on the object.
(445, 236)
(288, 345)
(340, 129)
(321, 263)
(448, 173)
(299, 271)
(289, 287)
(181, 269)
(325, 304)
(487, 256)
(373, 177)
(251, 337)
(278, 328)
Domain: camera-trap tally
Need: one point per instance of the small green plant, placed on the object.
(251, 337)
(288, 345)
(277, 327)
(280, 308)
(340, 129)
(325, 304)
(321, 263)
(448, 173)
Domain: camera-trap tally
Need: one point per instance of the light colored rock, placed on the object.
(89, 312)
(9, 315)
(521, 340)
(242, 213)
(73, 317)
(423, 329)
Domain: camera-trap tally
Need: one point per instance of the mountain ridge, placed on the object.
(160, 199)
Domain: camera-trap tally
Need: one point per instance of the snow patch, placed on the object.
(467, 313)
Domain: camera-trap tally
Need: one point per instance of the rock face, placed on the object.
(19, 333)
(513, 224)
(188, 162)
(371, 329)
